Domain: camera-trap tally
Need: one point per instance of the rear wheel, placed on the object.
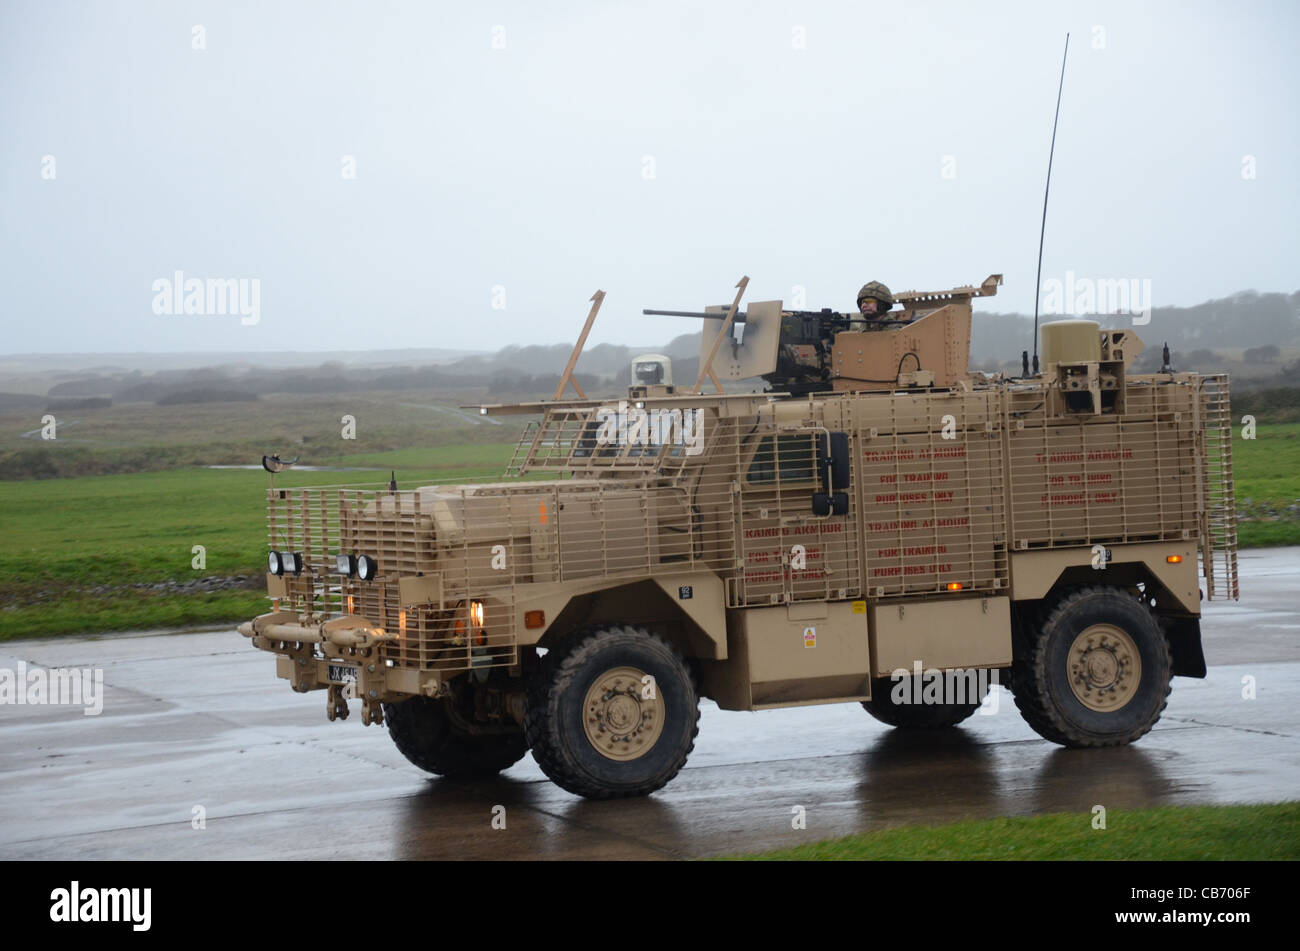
(889, 708)
(612, 712)
(1096, 672)
(434, 736)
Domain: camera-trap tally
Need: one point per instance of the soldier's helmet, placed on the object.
(877, 291)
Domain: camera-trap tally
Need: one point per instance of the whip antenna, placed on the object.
(1043, 231)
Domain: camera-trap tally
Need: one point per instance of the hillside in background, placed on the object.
(1207, 337)
(1255, 336)
(513, 370)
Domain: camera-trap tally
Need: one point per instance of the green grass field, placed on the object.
(1267, 472)
(66, 537)
(143, 437)
(1168, 833)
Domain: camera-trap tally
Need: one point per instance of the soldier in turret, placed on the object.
(874, 301)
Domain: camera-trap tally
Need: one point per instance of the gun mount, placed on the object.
(801, 352)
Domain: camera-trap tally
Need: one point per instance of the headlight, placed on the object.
(281, 562)
(367, 568)
(345, 565)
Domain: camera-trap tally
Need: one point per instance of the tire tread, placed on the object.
(448, 752)
(1031, 677)
(554, 677)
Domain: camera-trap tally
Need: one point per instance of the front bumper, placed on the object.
(307, 649)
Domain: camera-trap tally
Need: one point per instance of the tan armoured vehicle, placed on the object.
(880, 517)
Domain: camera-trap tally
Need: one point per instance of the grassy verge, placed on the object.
(136, 611)
(1168, 833)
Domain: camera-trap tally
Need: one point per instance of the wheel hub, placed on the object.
(1105, 668)
(623, 714)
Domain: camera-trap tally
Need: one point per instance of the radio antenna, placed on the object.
(1043, 231)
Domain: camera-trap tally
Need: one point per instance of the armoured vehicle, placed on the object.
(880, 526)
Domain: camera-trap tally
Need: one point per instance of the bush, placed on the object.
(90, 402)
(1275, 402)
(1269, 353)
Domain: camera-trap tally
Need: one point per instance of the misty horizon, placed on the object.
(460, 179)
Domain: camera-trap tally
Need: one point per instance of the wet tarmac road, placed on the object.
(200, 721)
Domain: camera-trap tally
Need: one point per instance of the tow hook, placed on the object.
(336, 704)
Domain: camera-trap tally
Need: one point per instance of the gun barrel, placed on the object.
(740, 315)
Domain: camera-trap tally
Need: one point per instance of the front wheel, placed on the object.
(1097, 672)
(435, 737)
(612, 712)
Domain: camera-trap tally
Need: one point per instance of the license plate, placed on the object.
(340, 674)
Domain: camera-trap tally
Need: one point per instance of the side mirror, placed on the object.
(830, 503)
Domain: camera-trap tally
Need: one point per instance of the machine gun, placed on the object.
(805, 343)
(815, 351)
(828, 321)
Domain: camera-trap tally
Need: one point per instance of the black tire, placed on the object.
(558, 692)
(914, 716)
(429, 734)
(1041, 679)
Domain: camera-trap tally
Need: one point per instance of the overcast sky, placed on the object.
(526, 154)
